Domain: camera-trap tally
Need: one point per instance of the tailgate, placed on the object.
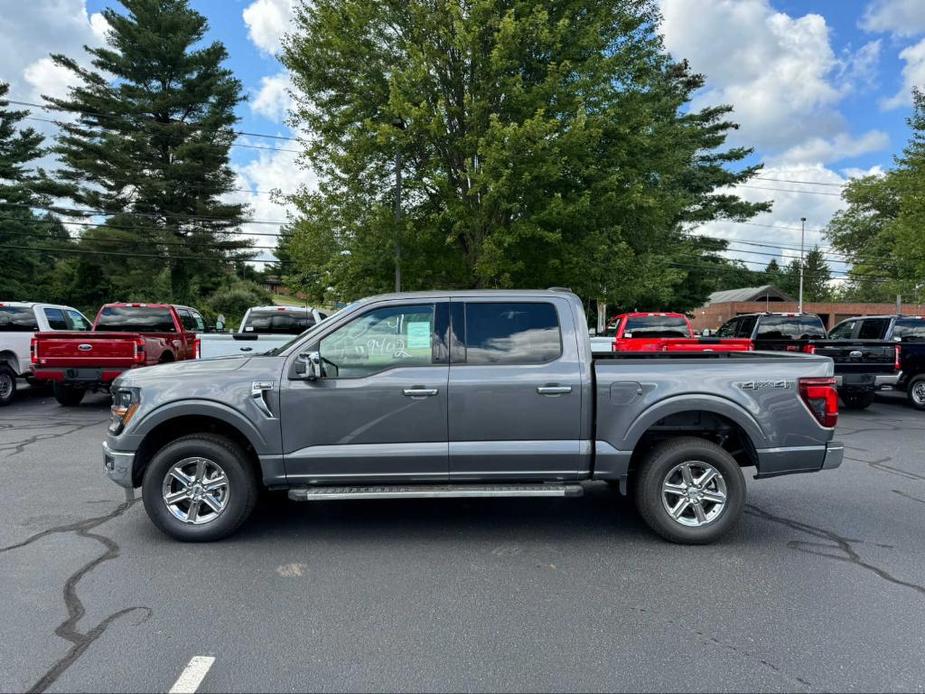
(85, 349)
(858, 357)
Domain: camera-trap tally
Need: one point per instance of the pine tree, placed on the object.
(155, 118)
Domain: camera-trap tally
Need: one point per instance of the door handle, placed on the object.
(553, 390)
(247, 349)
(419, 392)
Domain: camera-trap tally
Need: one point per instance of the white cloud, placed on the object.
(901, 17)
(267, 21)
(779, 72)
(913, 75)
(818, 150)
(272, 100)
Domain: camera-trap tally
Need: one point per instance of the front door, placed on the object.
(378, 413)
(515, 391)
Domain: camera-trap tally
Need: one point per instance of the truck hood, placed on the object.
(198, 371)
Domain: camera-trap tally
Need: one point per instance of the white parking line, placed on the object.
(191, 677)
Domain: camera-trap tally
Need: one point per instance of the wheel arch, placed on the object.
(10, 358)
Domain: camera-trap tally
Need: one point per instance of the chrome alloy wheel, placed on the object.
(694, 493)
(918, 393)
(7, 386)
(195, 490)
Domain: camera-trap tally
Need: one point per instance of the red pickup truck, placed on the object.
(124, 336)
(665, 332)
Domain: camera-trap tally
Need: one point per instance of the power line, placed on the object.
(148, 215)
(785, 190)
(137, 255)
(793, 180)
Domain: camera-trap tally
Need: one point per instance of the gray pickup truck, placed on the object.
(466, 394)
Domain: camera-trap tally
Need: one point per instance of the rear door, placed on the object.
(514, 391)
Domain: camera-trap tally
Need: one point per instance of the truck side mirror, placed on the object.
(308, 366)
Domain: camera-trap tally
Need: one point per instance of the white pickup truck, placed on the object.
(263, 328)
(19, 321)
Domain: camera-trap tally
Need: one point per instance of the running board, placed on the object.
(433, 491)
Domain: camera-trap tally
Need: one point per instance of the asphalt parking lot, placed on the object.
(821, 587)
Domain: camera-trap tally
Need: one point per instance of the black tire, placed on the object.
(655, 469)
(857, 401)
(242, 487)
(916, 391)
(68, 396)
(7, 385)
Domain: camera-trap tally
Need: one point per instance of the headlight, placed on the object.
(124, 405)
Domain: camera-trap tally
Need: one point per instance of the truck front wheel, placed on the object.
(689, 490)
(199, 488)
(68, 396)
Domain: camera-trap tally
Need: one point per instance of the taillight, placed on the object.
(139, 350)
(197, 348)
(897, 360)
(821, 399)
(34, 351)
(810, 349)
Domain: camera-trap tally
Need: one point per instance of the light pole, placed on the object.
(802, 239)
(400, 124)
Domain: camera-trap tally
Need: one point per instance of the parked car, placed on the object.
(861, 367)
(262, 328)
(19, 321)
(467, 394)
(664, 332)
(123, 336)
(909, 334)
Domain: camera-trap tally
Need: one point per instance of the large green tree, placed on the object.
(817, 277)
(30, 243)
(880, 231)
(148, 144)
(539, 143)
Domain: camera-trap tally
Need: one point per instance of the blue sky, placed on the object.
(820, 89)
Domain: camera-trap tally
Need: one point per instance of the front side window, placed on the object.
(16, 319)
(728, 329)
(384, 338)
(790, 328)
(843, 331)
(746, 327)
(77, 320)
(186, 318)
(55, 318)
(909, 329)
(136, 319)
(512, 333)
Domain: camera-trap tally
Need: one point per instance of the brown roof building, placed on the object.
(721, 306)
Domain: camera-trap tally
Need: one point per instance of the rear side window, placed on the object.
(189, 323)
(728, 329)
(278, 322)
(56, 320)
(909, 330)
(512, 333)
(873, 328)
(656, 326)
(790, 328)
(746, 327)
(136, 319)
(17, 319)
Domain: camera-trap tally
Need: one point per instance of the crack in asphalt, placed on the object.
(824, 549)
(881, 465)
(909, 496)
(18, 447)
(708, 640)
(67, 630)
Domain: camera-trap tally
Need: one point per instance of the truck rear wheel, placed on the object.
(689, 490)
(68, 396)
(199, 488)
(857, 401)
(7, 385)
(916, 390)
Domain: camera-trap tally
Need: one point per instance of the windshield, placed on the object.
(656, 326)
(909, 329)
(282, 348)
(278, 322)
(136, 319)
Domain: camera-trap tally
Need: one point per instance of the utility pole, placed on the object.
(802, 240)
(400, 124)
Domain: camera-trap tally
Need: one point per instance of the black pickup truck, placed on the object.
(907, 333)
(862, 367)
